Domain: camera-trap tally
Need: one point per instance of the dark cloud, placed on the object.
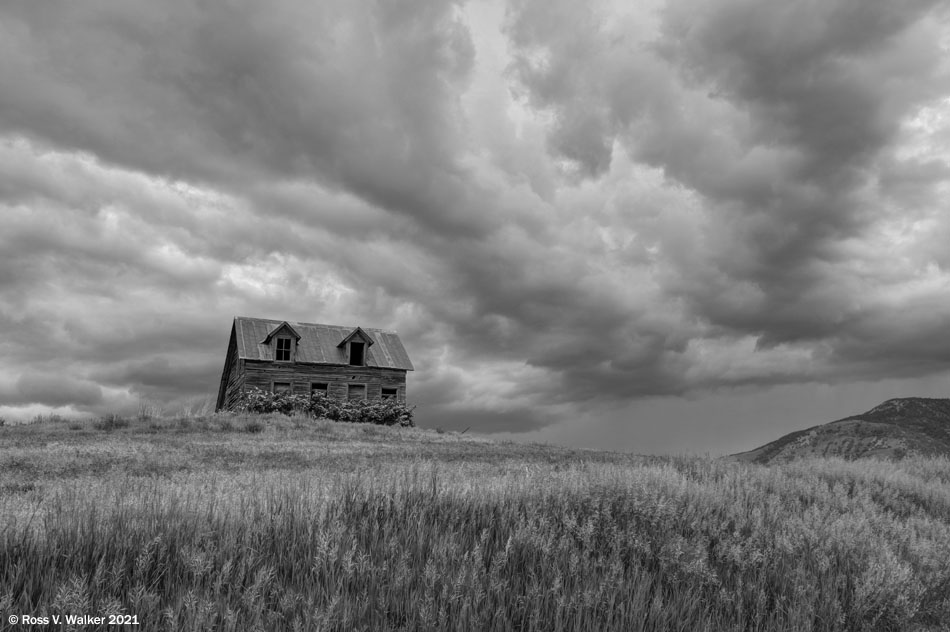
(158, 378)
(358, 96)
(52, 389)
(778, 117)
(561, 206)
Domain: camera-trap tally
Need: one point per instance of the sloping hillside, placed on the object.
(235, 522)
(896, 428)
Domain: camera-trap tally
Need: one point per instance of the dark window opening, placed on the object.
(389, 393)
(356, 391)
(283, 349)
(281, 387)
(319, 387)
(356, 353)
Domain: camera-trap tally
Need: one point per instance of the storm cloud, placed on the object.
(562, 207)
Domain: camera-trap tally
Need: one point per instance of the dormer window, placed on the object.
(354, 347)
(356, 353)
(283, 337)
(283, 350)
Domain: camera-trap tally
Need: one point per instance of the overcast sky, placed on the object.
(681, 226)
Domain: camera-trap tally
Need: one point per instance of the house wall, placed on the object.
(236, 386)
(232, 378)
(263, 374)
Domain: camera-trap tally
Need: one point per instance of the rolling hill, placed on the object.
(240, 521)
(893, 429)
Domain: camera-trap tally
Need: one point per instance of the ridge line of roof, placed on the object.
(296, 322)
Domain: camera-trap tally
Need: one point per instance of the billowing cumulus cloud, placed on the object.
(242, 94)
(785, 121)
(563, 207)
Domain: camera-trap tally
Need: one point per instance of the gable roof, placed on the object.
(358, 332)
(284, 326)
(318, 343)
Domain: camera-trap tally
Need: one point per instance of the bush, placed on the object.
(258, 401)
(318, 406)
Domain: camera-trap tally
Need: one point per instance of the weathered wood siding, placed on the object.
(263, 374)
(232, 378)
(236, 386)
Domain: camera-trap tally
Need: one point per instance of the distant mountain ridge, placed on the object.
(896, 428)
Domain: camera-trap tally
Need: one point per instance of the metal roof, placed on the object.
(318, 343)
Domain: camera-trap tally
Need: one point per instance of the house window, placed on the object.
(283, 350)
(282, 387)
(389, 393)
(356, 391)
(356, 353)
(319, 387)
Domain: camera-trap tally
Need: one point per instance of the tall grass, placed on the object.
(557, 541)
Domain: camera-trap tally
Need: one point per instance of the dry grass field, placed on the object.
(235, 522)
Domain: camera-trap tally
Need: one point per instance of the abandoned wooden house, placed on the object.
(302, 358)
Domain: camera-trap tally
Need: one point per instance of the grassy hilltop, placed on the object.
(246, 522)
(906, 426)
